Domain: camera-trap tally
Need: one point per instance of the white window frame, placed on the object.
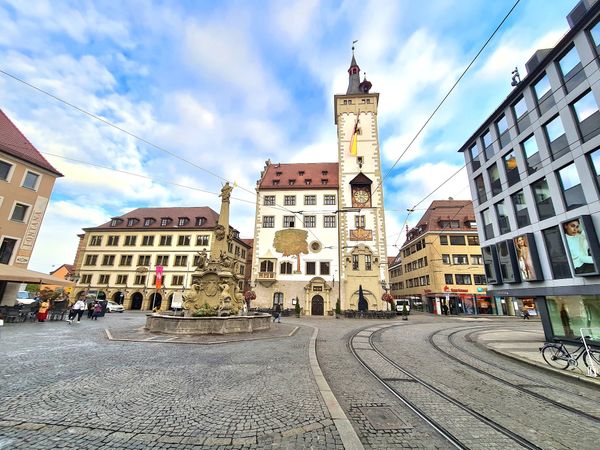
(11, 171)
(27, 213)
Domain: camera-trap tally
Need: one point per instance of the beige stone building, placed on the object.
(320, 229)
(26, 183)
(441, 262)
(118, 260)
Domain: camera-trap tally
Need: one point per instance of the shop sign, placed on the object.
(459, 290)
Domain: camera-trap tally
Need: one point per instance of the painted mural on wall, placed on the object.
(291, 242)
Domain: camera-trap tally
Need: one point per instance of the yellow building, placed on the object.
(441, 267)
(26, 183)
(118, 260)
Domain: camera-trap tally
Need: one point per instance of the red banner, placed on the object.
(159, 276)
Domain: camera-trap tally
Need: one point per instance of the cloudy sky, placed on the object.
(215, 88)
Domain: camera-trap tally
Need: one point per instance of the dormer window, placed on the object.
(131, 222)
(275, 182)
(324, 181)
(308, 182)
(200, 221)
(164, 221)
(291, 182)
(182, 221)
(324, 173)
(148, 221)
(301, 173)
(114, 222)
(278, 173)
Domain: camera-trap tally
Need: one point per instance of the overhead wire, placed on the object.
(506, 16)
(496, 140)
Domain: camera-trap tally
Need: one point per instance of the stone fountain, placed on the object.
(214, 290)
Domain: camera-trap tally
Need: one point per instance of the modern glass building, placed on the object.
(534, 172)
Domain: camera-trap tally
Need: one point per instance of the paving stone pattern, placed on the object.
(533, 418)
(67, 386)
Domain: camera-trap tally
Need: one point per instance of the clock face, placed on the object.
(361, 197)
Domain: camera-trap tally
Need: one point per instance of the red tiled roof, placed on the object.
(13, 142)
(70, 268)
(249, 242)
(300, 173)
(445, 210)
(173, 213)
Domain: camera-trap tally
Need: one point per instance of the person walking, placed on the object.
(97, 310)
(42, 314)
(76, 311)
(445, 308)
(277, 316)
(90, 308)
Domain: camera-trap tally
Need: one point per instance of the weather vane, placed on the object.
(354, 42)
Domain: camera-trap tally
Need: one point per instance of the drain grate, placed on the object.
(383, 418)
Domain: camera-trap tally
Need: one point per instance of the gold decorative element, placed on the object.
(291, 242)
(361, 235)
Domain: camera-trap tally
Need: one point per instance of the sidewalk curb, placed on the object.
(344, 427)
(564, 373)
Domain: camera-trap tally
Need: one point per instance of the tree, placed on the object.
(297, 308)
(291, 242)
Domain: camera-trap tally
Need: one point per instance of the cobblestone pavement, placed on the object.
(515, 409)
(68, 386)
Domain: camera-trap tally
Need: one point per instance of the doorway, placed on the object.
(136, 301)
(316, 307)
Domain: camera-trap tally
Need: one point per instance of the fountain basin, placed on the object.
(160, 323)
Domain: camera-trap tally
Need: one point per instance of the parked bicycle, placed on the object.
(557, 355)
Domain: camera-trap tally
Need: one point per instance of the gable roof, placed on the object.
(442, 211)
(173, 213)
(300, 172)
(13, 142)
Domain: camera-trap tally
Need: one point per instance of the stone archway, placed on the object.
(155, 300)
(136, 301)
(118, 297)
(101, 295)
(316, 307)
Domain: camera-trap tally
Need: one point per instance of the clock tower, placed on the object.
(361, 224)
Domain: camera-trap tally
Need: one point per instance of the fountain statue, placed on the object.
(214, 300)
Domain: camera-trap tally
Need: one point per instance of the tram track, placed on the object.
(444, 413)
(538, 381)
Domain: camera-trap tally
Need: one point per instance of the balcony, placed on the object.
(266, 278)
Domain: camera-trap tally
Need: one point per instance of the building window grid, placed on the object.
(310, 199)
(310, 221)
(289, 200)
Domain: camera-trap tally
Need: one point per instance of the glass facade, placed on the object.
(557, 139)
(543, 200)
(569, 314)
(571, 186)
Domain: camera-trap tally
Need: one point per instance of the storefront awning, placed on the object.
(19, 275)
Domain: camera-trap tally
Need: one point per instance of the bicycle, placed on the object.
(558, 356)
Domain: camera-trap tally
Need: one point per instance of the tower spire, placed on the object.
(354, 84)
(353, 75)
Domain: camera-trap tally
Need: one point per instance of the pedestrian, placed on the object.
(526, 315)
(76, 311)
(277, 315)
(97, 310)
(42, 313)
(90, 308)
(445, 308)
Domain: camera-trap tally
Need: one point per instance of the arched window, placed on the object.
(285, 268)
(278, 298)
(266, 266)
